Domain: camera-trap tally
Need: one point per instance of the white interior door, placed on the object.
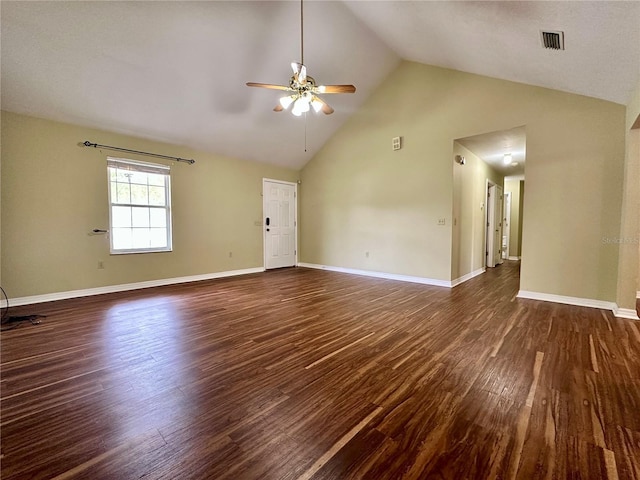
(491, 216)
(494, 225)
(280, 223)
(506, 225)
(499, 201)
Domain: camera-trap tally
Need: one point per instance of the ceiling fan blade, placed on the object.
(267, 85)
(278, 108)
(336, 89)
(326, 108)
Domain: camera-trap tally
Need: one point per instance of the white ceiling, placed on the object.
(492, 147)
(502, 40)
(176, 71)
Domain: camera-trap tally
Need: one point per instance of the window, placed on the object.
(139, 206)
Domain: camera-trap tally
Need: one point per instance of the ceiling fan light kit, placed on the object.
(302, 91)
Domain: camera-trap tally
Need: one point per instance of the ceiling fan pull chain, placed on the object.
(305, 132)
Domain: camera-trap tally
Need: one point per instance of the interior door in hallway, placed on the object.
(494, 225)
(506, 225)
(280, 223)
(499, 208)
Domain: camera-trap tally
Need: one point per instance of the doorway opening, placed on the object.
(488, 192)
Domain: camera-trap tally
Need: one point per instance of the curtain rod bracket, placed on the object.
(87, 143)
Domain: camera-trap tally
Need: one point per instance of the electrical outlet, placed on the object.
(442, 221)
(100, 265)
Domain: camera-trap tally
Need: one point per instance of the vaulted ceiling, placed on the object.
(176, 71)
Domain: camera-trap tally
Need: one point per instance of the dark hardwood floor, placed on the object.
(306, 374)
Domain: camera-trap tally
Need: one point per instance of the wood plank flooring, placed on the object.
(306, 374)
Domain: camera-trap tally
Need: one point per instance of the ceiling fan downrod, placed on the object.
(301, 33)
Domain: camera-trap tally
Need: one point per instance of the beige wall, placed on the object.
(628, 277)
(2, 296)
(628, 240)
(516, 188)
(633, 145)
(633, 109)
(469, 211)
(362, 196)
(55, 192)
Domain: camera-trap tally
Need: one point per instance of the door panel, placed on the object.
(494, 226)
(279, 224)
(497, 252)
(506, 225)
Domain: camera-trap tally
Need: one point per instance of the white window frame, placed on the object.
(136, 166)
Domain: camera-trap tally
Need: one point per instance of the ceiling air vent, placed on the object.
(552, 39)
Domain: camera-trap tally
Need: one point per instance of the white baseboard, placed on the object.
(50, 297)
(581, 302)
(513, 258)
(388, 276)
(626, 313)
(395, 276)
(638, 294)
(466, 277)
(547, 297)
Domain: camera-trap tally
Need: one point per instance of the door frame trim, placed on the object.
(505, 253)
(489, 183)
(295, 215)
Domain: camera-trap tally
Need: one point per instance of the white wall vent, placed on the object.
(552, 39)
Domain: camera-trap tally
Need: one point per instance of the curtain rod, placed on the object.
(87, 143)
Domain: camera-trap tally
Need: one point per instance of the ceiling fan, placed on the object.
(302, 91)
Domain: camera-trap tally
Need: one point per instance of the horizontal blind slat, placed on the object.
(134, 166)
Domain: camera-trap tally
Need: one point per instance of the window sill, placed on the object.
(132, 252)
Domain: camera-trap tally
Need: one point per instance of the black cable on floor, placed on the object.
(5, 310)
(15, 321)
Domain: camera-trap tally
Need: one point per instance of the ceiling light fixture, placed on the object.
(507, 159)
(286, 101)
